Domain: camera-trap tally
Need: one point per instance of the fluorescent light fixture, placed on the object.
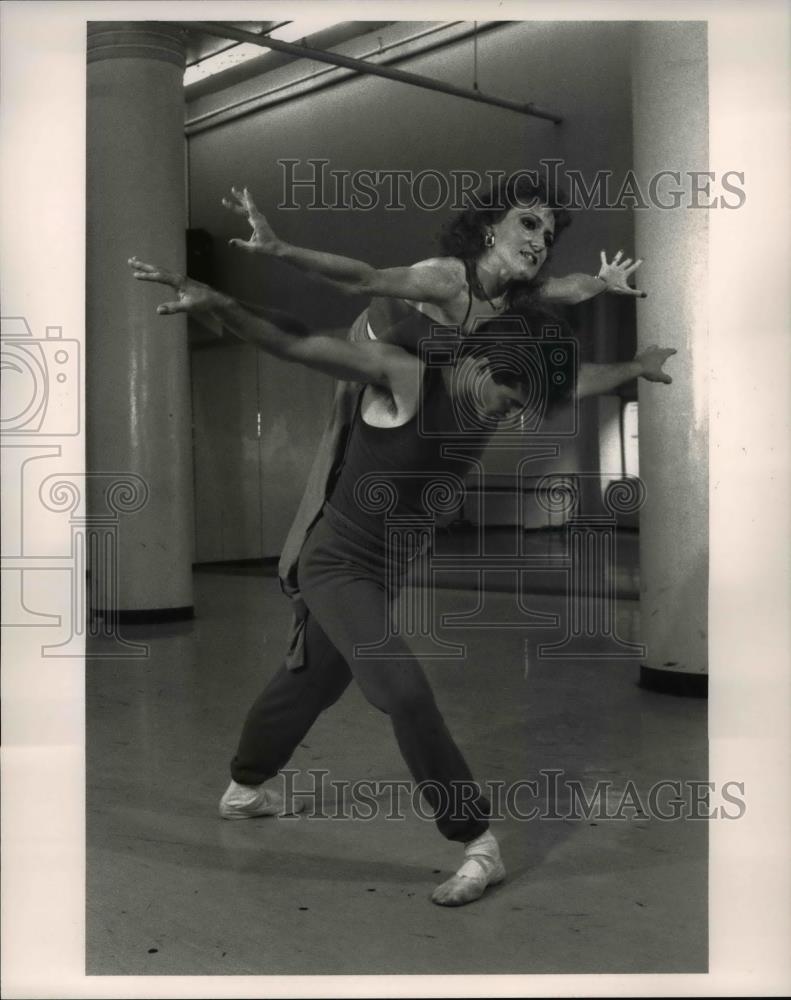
(292, 31)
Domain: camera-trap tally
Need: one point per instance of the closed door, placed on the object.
(257, 424)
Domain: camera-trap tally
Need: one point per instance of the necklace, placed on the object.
(478, 289)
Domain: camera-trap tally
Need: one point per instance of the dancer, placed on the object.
(492, 266)
(346, 569)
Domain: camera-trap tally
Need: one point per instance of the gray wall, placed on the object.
(579, 69)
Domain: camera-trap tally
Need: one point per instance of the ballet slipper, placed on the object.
(249, 801)
(482, 867)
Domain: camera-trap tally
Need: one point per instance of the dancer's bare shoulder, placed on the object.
(444, 280)
(397, 403)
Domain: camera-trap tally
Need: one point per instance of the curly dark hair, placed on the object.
(463, 235)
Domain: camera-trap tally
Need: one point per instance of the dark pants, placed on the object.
(343, 582)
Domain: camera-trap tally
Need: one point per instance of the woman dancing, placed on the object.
(492, 263)
(346, 569)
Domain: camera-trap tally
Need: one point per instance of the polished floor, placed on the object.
(173, 889)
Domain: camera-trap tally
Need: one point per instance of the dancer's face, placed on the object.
(522, 239)
(500, 401)
(490, 399)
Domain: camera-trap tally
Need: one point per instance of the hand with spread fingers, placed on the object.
(652, 359)
(616, 274)
(193, 296)
(263, 238)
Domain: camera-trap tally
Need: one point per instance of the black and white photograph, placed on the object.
(395, 499)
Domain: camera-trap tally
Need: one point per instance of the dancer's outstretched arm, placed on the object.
(613, 277)
(593, 380)
(439, 280)
(372, 362)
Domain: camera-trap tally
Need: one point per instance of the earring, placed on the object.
(488, 240)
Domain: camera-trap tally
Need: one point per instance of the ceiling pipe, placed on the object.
(419, 44)
(222, 30)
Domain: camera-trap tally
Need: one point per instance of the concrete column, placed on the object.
(138, 400)
(670, 113)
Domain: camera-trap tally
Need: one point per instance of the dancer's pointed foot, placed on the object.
(482, 867)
